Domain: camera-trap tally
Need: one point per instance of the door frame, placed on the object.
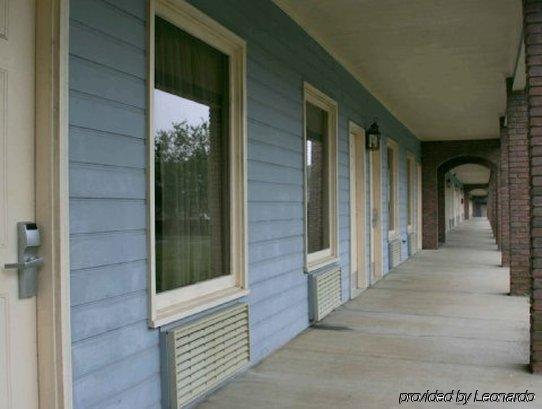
(358, 207)
(52, 204)
(375, 179)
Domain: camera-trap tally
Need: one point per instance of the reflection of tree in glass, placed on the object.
(181, 166)
(182, 143)
(182, 203)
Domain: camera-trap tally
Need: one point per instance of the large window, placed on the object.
(191, 180)
(197, 169)
(392, 167)
(320, 178)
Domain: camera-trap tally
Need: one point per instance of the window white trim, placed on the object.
(316, 260)
(394, 234)
(179, 303)
(411, 191)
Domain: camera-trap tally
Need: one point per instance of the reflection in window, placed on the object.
(317, 154)
(191, 109)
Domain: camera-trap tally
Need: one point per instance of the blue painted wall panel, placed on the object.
(115, 355)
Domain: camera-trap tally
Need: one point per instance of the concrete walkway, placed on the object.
(440, 320)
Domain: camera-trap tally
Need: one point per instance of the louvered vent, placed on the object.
(412, 244)
(394, 253)
(324, 293)
(203, 353)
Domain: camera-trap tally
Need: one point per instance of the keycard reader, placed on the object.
(28, 260)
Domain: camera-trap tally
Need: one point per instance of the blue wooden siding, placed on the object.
(115, 355)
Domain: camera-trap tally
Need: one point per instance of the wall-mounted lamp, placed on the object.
(373, 137)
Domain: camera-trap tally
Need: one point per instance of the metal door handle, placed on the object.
(30, 263)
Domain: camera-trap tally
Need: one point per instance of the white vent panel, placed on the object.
(325, 293)
(394, 253)
(203, 353)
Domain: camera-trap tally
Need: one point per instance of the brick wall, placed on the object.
(533, 53)
(504, 202)
(492, 206)
(518, 174)
(437, 159)
(466, 205)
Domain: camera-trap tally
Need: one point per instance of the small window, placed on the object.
(410, 163)
(197, 175)
(320, 178)
(393, 214)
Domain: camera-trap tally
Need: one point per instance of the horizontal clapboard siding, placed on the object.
(115, 355)
(277, 66)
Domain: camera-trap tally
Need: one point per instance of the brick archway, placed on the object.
(441, 172)
(437, 159)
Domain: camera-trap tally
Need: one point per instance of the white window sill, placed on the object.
(316, 265)
(185, 309)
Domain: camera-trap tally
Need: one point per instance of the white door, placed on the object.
(376, 216)
(358, 279)
(18, 356)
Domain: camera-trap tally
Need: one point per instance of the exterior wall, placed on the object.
(518, 173)
(115, 355)
(402, 196)
(533, 52)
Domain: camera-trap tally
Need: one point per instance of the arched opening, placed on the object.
(463, 190)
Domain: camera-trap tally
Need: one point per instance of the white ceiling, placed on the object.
(478, 192)
(472, 174)
(438, 65)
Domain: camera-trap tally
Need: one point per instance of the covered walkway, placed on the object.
(440, 320)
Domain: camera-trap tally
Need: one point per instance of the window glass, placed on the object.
(191, 134)
(317, 157)
(391, 189)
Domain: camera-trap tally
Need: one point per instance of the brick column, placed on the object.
(532, 13)
(505, 199)
(518, 176)
(429, 205)
(466, 204)
(491, 204)
(441, 217)
(498, 207)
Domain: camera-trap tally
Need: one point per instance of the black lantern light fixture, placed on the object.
(372, 136)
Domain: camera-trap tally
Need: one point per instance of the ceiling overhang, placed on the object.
(472, 174)
(478, 193)
(439, 66)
